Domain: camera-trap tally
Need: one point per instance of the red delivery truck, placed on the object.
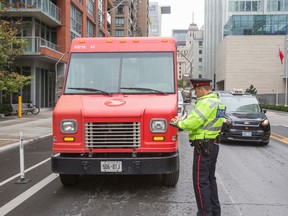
(113, 116)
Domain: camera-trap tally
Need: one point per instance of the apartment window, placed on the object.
(200, 59)
(101, 12)
(120, 9)
(119, 33)
(254, 6)
(75, 21)
(199, 68)
(90, 29)
(248, 5)
(152, 8)
(277, 5)
(72, 36)
(242, 5)
(119, 21)
(200, 51)
(286, 5)
(200, 43)
(233, 6)
(90, 7)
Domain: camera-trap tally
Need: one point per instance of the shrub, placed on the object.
(274, 107)
(5, 109)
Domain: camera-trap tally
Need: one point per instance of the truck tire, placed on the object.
(170, 179)
(69, 179)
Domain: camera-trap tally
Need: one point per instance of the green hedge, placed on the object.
(5, 109)
(274, 107)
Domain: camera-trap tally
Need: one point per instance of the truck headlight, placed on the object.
(158, 125)
(68, 126)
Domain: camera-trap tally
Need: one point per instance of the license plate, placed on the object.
(111, 166)
(246, 133)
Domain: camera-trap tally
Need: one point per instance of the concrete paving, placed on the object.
(33, 127)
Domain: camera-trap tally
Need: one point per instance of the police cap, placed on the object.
(200, 82)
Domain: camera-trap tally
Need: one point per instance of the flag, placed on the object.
(281, 55)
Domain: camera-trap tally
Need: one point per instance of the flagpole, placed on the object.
(286, 69)
(277, 81)
(277, 74)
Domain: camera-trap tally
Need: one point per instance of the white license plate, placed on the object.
(246, 133)
(111, 166)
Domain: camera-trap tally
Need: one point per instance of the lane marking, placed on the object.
(279, 137)
(27, 194)
(27, 170)
(230, 197)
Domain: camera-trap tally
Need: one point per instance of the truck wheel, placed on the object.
(69, 179)
(170, 179)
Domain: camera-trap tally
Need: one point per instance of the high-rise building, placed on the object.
(195, 50)
(130, 18)
(242, 40)
(213, 33)
(155, 19)
(239, 17)
(143, 18)
(155, 15)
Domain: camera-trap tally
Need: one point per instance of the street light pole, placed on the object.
(56, 77)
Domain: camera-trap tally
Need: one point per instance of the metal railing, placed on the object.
(35, 43)
(44, 6)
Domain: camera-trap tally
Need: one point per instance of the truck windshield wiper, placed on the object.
(91, 90)
(144, 89)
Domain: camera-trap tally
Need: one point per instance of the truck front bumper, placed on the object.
(92, 166)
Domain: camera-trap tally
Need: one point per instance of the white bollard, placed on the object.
(22, 180)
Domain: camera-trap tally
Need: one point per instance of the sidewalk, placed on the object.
(32, 127)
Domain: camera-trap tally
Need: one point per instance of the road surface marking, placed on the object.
(279, 138)
(230, 197)
(27, 194)
(27, 170)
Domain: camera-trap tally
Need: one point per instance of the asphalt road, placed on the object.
(252, 181)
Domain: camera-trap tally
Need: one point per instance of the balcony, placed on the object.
(35, 43)
(45, 10)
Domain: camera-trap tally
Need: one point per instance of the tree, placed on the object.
(252, 90)
(184, 83)
(11, 47)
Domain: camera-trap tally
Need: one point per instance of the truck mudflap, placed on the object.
(118, 166)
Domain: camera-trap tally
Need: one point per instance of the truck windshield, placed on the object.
(135, 73)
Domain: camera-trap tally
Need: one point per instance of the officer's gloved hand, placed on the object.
(174, 121)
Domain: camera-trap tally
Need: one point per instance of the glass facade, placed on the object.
(277, 5)
(240, 6)
(257, 25)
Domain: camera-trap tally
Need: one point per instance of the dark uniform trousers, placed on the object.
(204, 181)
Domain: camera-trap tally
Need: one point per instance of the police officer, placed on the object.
(204, 125)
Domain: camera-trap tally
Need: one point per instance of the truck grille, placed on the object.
(112, 135)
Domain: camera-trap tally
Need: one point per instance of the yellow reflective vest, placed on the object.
(206, 119)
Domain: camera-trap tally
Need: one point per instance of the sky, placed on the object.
(181, 14)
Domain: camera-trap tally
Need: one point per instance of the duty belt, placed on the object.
(204, 144)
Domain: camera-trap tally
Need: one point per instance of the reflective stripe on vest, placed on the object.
(210, 126)
(214, 103)
(200, 114)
